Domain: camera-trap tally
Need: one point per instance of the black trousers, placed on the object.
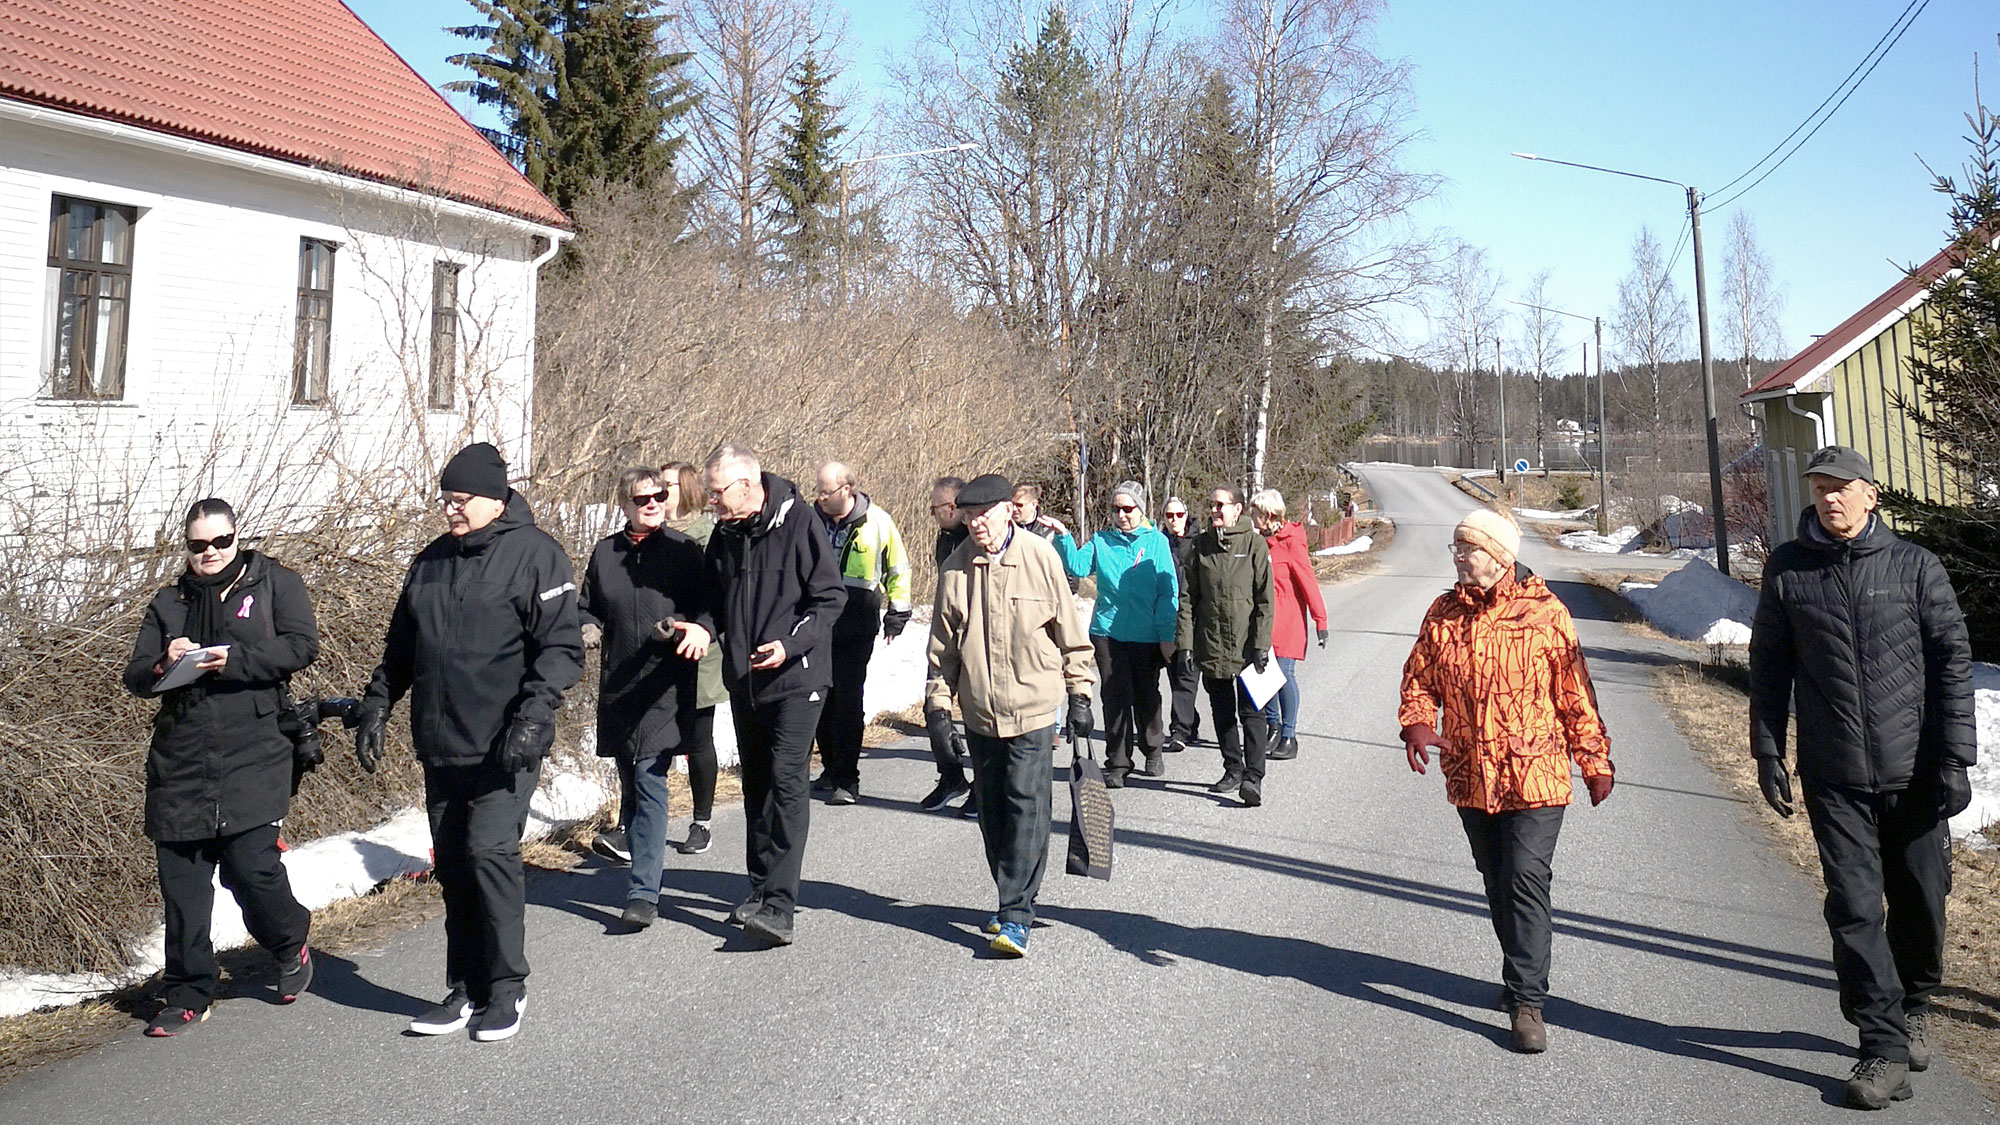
(1239, 727)
(1130, 671)
(698, 744)
(1184, 682)
(1513, 851)
(774, 743)
(842, 719)
(1014, 780)
(477, 814)
(253, 871)
(1887, 862)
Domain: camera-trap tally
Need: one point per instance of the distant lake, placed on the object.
(1560, 455)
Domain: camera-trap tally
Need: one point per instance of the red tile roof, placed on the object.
(1855, 331)
(298, 80)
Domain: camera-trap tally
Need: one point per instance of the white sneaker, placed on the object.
(500, 1020)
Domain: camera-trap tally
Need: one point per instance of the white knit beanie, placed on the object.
(1495, 533)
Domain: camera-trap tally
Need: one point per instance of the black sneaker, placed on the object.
(1229, 783)
(1114, 779)
(1284, 751)
(1175, 745)
(613, 845)
(295, 976)
(1251, 794)
(499, 1020)
(699, 838)
(970, 809)
(948, 789)
(1877, 1082)
(1156, 764)
(640, 913)
(745, 909)
(823, 783)
(173, 1020)
(455, 1012)
(767, 924)
(1921, 1052)
(844, 795)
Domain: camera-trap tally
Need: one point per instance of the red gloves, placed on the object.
(1599, 785)
(1416, 739)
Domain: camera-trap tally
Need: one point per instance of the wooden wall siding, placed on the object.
(1864, 389)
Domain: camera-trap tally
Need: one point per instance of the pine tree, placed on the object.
(807, 179)
(583, 87)
(1955, 364)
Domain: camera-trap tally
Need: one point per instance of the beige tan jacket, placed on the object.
(1006, 638)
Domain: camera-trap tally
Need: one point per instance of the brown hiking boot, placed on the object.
(1919, 1022)
(1877, 1082)
(1531, 1035)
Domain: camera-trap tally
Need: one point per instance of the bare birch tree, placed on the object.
(1542, 346)
(1652, 325)
(1471, 317)
(1750, 297)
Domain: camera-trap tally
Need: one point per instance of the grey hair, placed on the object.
(730, 455)
(631, 479)
(1133, 489)
(1270, 502)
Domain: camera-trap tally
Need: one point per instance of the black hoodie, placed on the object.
(774, 578)
(486, 629)
(1866, 633)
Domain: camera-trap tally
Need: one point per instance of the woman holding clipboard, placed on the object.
(219, 770)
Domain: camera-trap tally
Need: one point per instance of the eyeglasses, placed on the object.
(454, 503)
(828, 493)
(1221, 504)
(1464, 550)
(1124, 507)
(719, 493)
(650, 499)
(944, 507)
(201, 546)
(1176, 515)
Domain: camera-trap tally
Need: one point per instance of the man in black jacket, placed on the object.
(485, 639)
(1863, 630)
(1182, 676)
(777, 593)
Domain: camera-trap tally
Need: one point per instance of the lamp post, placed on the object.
(962, 146)
(1707, 365)
(1603, 422)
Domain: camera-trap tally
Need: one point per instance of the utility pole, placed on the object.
(1603, 438)
(1720, 515)
(1500, 377)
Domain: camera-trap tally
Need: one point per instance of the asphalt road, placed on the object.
(1323, 958)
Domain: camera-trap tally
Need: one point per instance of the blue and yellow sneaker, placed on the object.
(992, 925)
(1011, 940)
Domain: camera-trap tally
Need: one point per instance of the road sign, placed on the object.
(1520, 464)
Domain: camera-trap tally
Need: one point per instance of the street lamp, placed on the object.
(962, 146)
(1603, 423)
(1720, 519)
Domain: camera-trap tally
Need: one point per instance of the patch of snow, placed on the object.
(1985, 807)
(1622, 541)
(1696, 603)
(1353, 547)
(1544, 514)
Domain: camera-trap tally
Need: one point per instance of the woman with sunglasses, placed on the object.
(642, 590)
(1131, 627)
(219, 770)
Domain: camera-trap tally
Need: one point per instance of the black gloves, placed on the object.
(528, 741)
(1955, 792)
(1078, 719)
(1776, 784)
(368, 736)
(937, 723)
(1185, 657)
(893, 624)
(1322, 638)
(1263, 662)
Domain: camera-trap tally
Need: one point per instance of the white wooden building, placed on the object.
(246, 251)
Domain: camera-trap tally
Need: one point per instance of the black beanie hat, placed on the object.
(476, 470)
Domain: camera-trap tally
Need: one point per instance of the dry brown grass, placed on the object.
(1712, 712)
(1339, 568)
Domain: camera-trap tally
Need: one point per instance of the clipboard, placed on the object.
(1261, 686)
(184, 671)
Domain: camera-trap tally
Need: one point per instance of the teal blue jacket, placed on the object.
(1138, 590)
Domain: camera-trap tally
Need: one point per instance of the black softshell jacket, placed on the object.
(775, 579)
(643, 686)
(218, 764)
(486, 629)
(1868, 636)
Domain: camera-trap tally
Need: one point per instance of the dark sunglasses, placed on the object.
(1124, 507)
(649, 499)
(220, 543)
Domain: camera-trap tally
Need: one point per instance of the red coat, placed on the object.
(1297, 590)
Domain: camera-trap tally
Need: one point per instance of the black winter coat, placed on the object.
(643, 686)
(1868, 636)
(775, 579)
(218, 764)
(486, 629)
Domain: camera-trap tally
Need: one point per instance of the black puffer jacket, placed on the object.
(775, 579)
(486, 629)
(1867, 634)
(642, 684)
(218, 764)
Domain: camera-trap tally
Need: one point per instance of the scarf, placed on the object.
(203, 594)
(636, 534)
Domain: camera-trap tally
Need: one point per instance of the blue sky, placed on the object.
(1693, 91)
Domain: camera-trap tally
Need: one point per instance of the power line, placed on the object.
(1898, 30)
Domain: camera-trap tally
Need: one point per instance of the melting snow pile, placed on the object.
(1696, 603)
(1617, 543)
(1354, 547)
(1985, 807)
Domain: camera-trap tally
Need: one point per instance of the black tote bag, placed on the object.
(1091, 816)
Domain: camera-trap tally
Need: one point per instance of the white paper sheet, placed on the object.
(1261, 686)
(184, 671)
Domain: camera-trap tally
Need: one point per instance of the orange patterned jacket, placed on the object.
(1505, 668)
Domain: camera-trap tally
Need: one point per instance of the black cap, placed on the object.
(476, 470)
(979, 492)
(1840, 463)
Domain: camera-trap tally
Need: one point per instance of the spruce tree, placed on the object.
(807, 179)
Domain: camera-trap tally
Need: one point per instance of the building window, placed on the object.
(315, 328)
(444, 333)
(90, 291)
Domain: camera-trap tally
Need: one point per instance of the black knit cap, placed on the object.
(476, 470)
(979, 492)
